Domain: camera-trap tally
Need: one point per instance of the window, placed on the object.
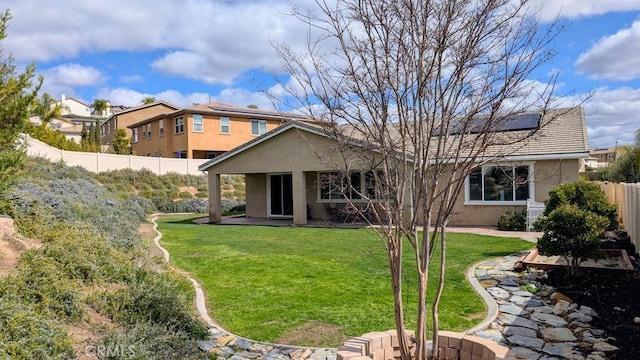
(181, 154)
(56, 126)
(179, 125)
(335, 186)
(500, 183)
(161, 127)
(134, 137)
(115, 123)
(258, 127)
(149, 131)
(197, 123)
(144, 131)
(225, 127)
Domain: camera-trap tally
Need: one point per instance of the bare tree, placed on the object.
(421, 91)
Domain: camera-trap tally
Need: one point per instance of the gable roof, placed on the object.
(302, 126)
(144, 106)
(562, 135)
(221, 109)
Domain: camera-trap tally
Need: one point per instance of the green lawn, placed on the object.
(262, 282)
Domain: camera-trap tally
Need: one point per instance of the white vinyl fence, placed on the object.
(627, 198)
(98, 162)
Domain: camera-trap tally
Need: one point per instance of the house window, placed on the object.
(337, 187)
(56, 126)
(179, 125)
(181, 154)
(161, 127)
(115, 124)
(197, 123)
(148, 131)
(144, 131)
(134, 137)
(225, 127)
(499, 184)
(258, 127)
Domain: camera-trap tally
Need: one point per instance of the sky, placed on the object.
(197, 51)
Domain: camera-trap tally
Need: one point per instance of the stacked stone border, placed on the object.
(452, 346)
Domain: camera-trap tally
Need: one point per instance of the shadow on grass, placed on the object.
(184, 221)
(503, 253)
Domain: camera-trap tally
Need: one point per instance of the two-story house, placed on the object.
(71, 106)
(203, 131)
(124, 118)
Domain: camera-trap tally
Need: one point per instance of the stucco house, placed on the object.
(203, 131)
(123, 119)
(286, 170)
(72, 106)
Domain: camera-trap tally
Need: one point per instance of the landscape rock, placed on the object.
(530, 342)
(558, 334)
(604, 346)
(548, 319)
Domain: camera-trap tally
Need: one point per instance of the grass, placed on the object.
(263, 282)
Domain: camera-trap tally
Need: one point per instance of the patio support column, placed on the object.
(299, 187)
(215, 208)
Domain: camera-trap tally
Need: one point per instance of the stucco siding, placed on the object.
(256, 195)
(547, 174)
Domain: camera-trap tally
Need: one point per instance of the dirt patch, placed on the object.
(10, 249)
(86, 333)
(190, 189)
(615, 298)
(314, 334)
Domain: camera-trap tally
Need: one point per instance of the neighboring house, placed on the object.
(124, 118)
(71, 106)
(606, 156)
(203, 131)
(71, 129)
(591, 163)
(288, 173)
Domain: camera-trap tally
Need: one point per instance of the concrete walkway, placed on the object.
(515, 318)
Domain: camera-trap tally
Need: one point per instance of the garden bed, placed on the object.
(613, 259)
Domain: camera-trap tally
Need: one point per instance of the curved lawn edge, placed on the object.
(201, 302)
(200, 299)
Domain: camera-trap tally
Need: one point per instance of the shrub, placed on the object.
(513, 220)
(572, 233)
(27, 334)
(587, 196)
(185, 195)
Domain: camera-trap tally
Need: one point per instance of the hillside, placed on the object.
(77, 280)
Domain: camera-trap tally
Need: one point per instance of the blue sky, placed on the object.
(194, 51)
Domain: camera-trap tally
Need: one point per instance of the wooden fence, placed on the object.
(627, 198)
(98, 162)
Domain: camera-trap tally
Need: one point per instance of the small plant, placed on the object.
(572, 233)
(513, 220)
(529, 288)
(587, 196)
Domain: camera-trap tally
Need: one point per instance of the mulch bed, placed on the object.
(616, 299)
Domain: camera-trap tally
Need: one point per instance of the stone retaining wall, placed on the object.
(453, 346)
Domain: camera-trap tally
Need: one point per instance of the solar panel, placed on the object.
(512, 123)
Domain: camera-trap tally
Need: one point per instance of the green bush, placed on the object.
(513, 220)
(26, 334)
(572, 233)
(587, 196)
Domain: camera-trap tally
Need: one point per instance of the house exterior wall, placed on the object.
(197, 144)
(547, 174)
(256, 196)
(122, 120)
(73, 106)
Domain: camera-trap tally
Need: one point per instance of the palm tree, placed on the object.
(148, 100)
(47, 109)
(100, 106)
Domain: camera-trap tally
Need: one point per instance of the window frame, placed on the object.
(259, 123)
(225, 119)
(364, 188)
(134, 135)
(161, 127)
(200, 120)
(484, 168)
(178, 128)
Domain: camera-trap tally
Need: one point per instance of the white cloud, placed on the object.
(210, 41)
(572, 9)
(64, 79)
(613, 116)
(614, 57)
